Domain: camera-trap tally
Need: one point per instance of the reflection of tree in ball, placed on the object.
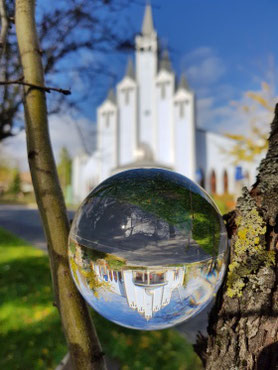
(147, 249)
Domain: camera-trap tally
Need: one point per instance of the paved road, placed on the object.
(25, 222)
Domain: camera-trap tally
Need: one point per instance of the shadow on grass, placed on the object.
(36, 346)
(26, 281)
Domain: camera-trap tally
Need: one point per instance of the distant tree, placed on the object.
(257, 112)
(15, 187)
(64, 168)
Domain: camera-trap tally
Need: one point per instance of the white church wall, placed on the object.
(164, 130)
(107, 138)
(218, 161)
(91, 172)
(185, 157)
(127, 115)
(78, 186)
(146, 69)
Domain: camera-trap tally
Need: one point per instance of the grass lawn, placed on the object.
(30, 331)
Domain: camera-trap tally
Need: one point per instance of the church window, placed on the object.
(106, 117)
(181, 106)
(162, 86)
(200, 177)
(213, 182)
(226, 182)
(246, 178)
(115, 276)
(147, 112)
(126, 93)
(163, 92)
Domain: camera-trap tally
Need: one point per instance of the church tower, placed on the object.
(164, 127)
(146, 70)
(127, 116)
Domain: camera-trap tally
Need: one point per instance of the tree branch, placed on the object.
(47, 89)
(84, 347)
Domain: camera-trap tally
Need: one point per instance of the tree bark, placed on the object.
(83, 344)
(243, 325)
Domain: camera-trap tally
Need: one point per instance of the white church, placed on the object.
(149, 120)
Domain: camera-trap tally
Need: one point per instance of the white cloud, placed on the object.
(64, 132)
(231, 118)
(203, 67)
(206, 73)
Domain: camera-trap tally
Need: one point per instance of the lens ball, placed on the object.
(147, 249)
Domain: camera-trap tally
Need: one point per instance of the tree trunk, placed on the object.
(83, 344)
(243, 326)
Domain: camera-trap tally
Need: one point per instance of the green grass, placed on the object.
(30, 331)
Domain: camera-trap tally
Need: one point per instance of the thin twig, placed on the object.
(47, 89)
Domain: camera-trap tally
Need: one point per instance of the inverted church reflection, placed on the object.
(141, 297)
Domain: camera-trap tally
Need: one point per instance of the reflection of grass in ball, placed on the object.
(115, 263)
(206, 231)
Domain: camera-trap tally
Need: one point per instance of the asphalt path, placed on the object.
(25, 222)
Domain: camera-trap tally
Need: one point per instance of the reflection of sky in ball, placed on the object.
(149, 219)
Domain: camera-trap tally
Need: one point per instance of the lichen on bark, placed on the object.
(249, 247)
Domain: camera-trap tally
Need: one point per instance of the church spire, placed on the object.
(165, 62)
(147, 27)
(129, 69)
(183, 85)
(111, 96)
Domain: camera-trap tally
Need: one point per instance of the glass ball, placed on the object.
(147, 249)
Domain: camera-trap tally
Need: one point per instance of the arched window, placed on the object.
(213, 182)
(246, 178)
(200, 177)
(226, 182)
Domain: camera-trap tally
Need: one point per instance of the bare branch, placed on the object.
(47, 89)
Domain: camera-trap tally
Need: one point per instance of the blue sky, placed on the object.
(224, 47)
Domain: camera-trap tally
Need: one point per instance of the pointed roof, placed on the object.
(111, 96)
(183, 83)
(147, 26)
(130, 69)
(165, 62)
